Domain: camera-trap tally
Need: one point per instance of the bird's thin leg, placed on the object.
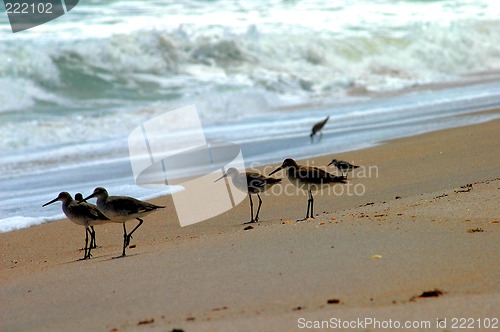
(251, 207)
(90, 244)
(308, 205)
(93, 245)
(258, 209)
(87, 248)
(251, 210)
(130, 234)
(124, 239)
(307, 212)
(312, 203)
(86, 242)
(320, 136)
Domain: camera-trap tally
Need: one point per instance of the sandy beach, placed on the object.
(418, 242)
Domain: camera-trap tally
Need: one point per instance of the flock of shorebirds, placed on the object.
(120, 209)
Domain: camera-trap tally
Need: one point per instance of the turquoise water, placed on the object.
(73, 89)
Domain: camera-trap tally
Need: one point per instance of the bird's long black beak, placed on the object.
(276, 170)
(221, 177)
(86, 198)
(52, 201)
(330, 163)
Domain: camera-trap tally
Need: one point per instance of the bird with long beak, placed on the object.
(343, 166)
(120, 209)
(81, 214)
(317, 128)
(308, 178)
(252, 183)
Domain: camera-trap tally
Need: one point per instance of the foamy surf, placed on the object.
(31, 213)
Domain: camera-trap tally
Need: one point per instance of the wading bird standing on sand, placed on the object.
(308, 178)
(121, 209)
(343, 166)
(81, 214)
(252, 183)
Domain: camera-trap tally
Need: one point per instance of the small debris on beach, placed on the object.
(146, 321)
(248, 228)
(475, 230)
(219, 309)
(132, 246)
(465, 189)
(432, 293)
(333, 301)
(376, 256)
(190, 319)
(298, 308)
(398, 197)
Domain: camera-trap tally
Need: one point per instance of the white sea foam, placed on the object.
(30, 213)
(18, 222)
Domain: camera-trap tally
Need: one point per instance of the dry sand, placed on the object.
(415, 229)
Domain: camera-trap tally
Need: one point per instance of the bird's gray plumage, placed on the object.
(80, 213)
(121, 209)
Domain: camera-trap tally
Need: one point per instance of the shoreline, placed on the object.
(266, 163)
(374, 253)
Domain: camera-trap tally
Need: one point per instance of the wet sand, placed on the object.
(426, 221)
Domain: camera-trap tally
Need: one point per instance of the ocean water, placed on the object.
(259, 72)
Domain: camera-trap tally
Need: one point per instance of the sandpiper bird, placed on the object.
(343, 166)
(121, 209)
(81, 214)
(308, 178)
(93, 245)
(251, 183)
(317, 128)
